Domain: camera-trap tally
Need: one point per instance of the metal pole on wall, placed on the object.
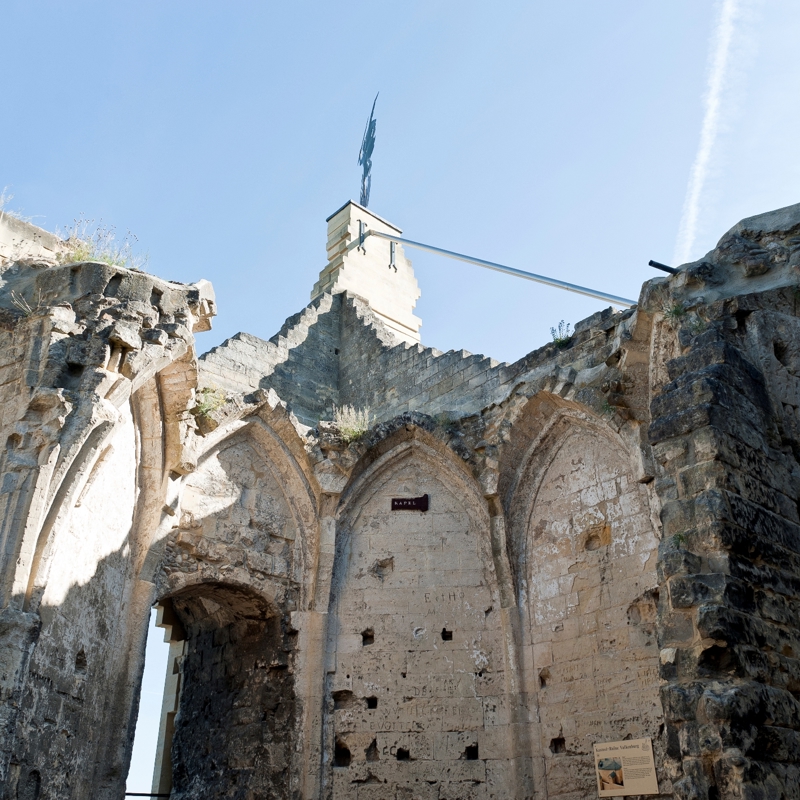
(519, 273)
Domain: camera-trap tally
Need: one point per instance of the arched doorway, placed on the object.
(234, 728)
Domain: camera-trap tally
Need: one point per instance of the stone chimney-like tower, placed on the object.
(391, 291)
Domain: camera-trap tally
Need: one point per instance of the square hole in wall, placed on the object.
(372, 702)
(447, 636)
(367, 637)
(471, 753)
(343, 699)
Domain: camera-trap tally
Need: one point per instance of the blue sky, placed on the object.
(558, 138)
(554, 137)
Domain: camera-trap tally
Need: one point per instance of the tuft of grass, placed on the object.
(352, 423)
(562, 334)
(675, 312)
(21, 304)
(679, 540)
(90, 241)
(209, 399)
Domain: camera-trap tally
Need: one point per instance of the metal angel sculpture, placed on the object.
(365, 155)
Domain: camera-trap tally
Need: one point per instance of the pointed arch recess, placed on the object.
(415, 609)
(399, 447)
(585, 551)
(279, 459)
(557, 424)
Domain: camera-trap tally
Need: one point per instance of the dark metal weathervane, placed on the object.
(365, 155)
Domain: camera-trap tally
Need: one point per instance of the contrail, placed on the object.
(718, 69)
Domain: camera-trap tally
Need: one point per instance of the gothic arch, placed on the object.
(269, 500)
(83, 460)
(41, 540)
(417, 641)
(402, 445)
(86, 573)
(586, 550)
(539, 452)
(247, 528)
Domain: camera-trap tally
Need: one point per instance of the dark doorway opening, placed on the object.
(233, 731)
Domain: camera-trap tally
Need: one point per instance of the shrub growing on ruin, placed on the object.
(562, 334)
(209, 400)
(90, 241)
(674, 312)
(352, 423)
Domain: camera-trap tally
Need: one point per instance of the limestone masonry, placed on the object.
(611, 548)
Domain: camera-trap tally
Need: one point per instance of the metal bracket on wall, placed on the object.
(362, 235)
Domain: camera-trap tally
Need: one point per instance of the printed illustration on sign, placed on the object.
(625, 768)
(610, 773)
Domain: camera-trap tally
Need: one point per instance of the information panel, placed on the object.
(625, 768)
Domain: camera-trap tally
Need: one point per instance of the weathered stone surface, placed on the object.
(611, 547)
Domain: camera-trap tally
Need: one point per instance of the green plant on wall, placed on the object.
(679, 540)
(90, 241)
(674, 312)
(352, 423)
(209, 400)
(562, 334)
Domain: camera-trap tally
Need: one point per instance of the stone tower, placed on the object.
(367, 268)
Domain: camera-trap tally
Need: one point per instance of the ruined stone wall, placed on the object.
(592, 593)
(60, 723)
(610, 551)
(234, 732)
(88, 446)
(338, 352)
(724, 430)
(20, 241)
(234, 516)
(300, 361)
(408, 377)
(232, 572)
